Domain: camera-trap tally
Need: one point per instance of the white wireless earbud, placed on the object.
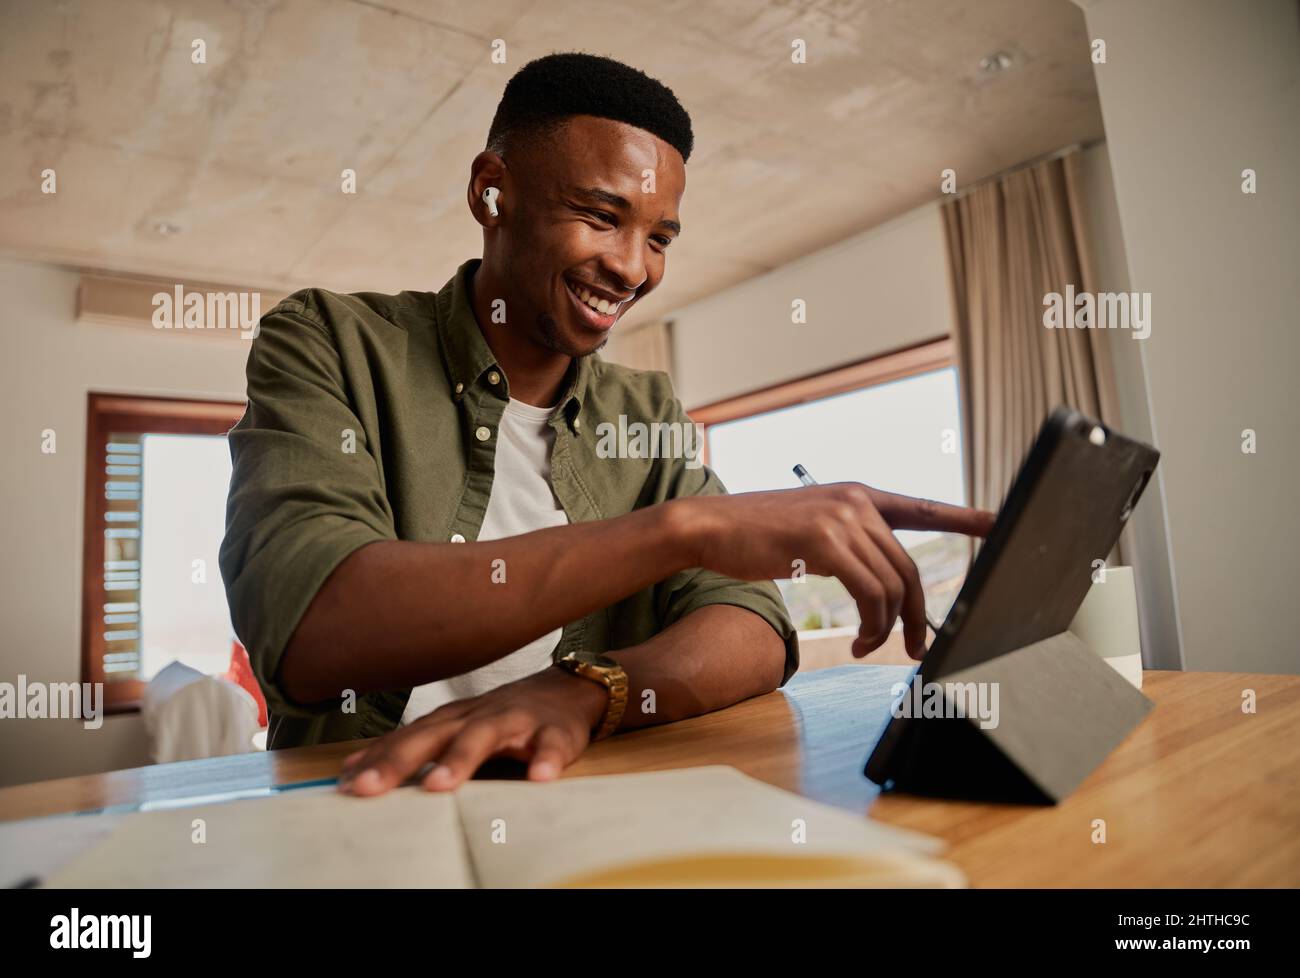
(490, 198)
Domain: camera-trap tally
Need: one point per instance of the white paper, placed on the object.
(36, 848)
(312, 837)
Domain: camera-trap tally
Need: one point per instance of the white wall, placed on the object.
(1157, 599)
(49, 363)
(878, 291)
(1193, 92)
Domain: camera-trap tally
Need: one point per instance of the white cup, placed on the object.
(1107, 622)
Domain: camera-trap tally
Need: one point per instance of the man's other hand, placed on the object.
(545, 720)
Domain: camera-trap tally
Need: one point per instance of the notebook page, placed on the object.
(523, 834)
(312, 837)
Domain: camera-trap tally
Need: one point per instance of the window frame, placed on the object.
(135, 414)
(920, 358)
(900, 364)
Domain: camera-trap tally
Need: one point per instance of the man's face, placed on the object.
(596, 210)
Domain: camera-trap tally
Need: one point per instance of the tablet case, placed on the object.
(1062, 708)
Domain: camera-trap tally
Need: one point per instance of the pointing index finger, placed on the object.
(910, 513)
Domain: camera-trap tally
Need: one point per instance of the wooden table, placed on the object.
(1200, 795)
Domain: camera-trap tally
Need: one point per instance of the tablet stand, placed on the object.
(1062, 710)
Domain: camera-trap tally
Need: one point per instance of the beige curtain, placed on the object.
(648, 346)
(1010, 242)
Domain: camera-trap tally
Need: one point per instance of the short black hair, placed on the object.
(544, 92)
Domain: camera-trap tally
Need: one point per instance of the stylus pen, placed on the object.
(808, 480)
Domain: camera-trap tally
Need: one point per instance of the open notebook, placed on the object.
(703, 826)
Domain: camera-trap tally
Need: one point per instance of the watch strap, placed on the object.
(609, 674)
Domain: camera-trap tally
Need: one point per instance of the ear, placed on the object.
(488, 170)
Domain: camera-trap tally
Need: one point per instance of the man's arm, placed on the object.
(397, 614)
(546, 719)
(553, 577)
(715, 656)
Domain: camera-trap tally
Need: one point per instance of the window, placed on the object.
(893, 422)
(157, 472)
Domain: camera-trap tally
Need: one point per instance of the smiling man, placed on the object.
(423, 541)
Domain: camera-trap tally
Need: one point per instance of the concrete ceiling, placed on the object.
(243, 154)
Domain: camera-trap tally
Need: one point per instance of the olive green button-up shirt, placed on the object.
(374, 417)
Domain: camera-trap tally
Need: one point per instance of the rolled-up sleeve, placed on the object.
(305, 491)
(690, 590)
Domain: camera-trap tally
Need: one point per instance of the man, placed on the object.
(423, 540)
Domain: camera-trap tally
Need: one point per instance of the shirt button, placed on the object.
(460, 388)
(457, 538)
(494, 378)
(483, 433)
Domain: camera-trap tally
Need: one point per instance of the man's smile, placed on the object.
(596, 308)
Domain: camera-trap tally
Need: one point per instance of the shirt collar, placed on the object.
(467, 357)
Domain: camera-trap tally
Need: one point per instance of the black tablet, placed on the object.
(1070, 500)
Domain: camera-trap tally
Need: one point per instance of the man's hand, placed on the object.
(843, 530)
(545, 720)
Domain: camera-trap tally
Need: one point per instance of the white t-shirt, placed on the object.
(521, 501)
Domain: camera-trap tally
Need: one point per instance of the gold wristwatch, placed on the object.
(604, 670)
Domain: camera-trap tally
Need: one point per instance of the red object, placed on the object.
(241, 673)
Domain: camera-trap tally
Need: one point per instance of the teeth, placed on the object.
(602, 306)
